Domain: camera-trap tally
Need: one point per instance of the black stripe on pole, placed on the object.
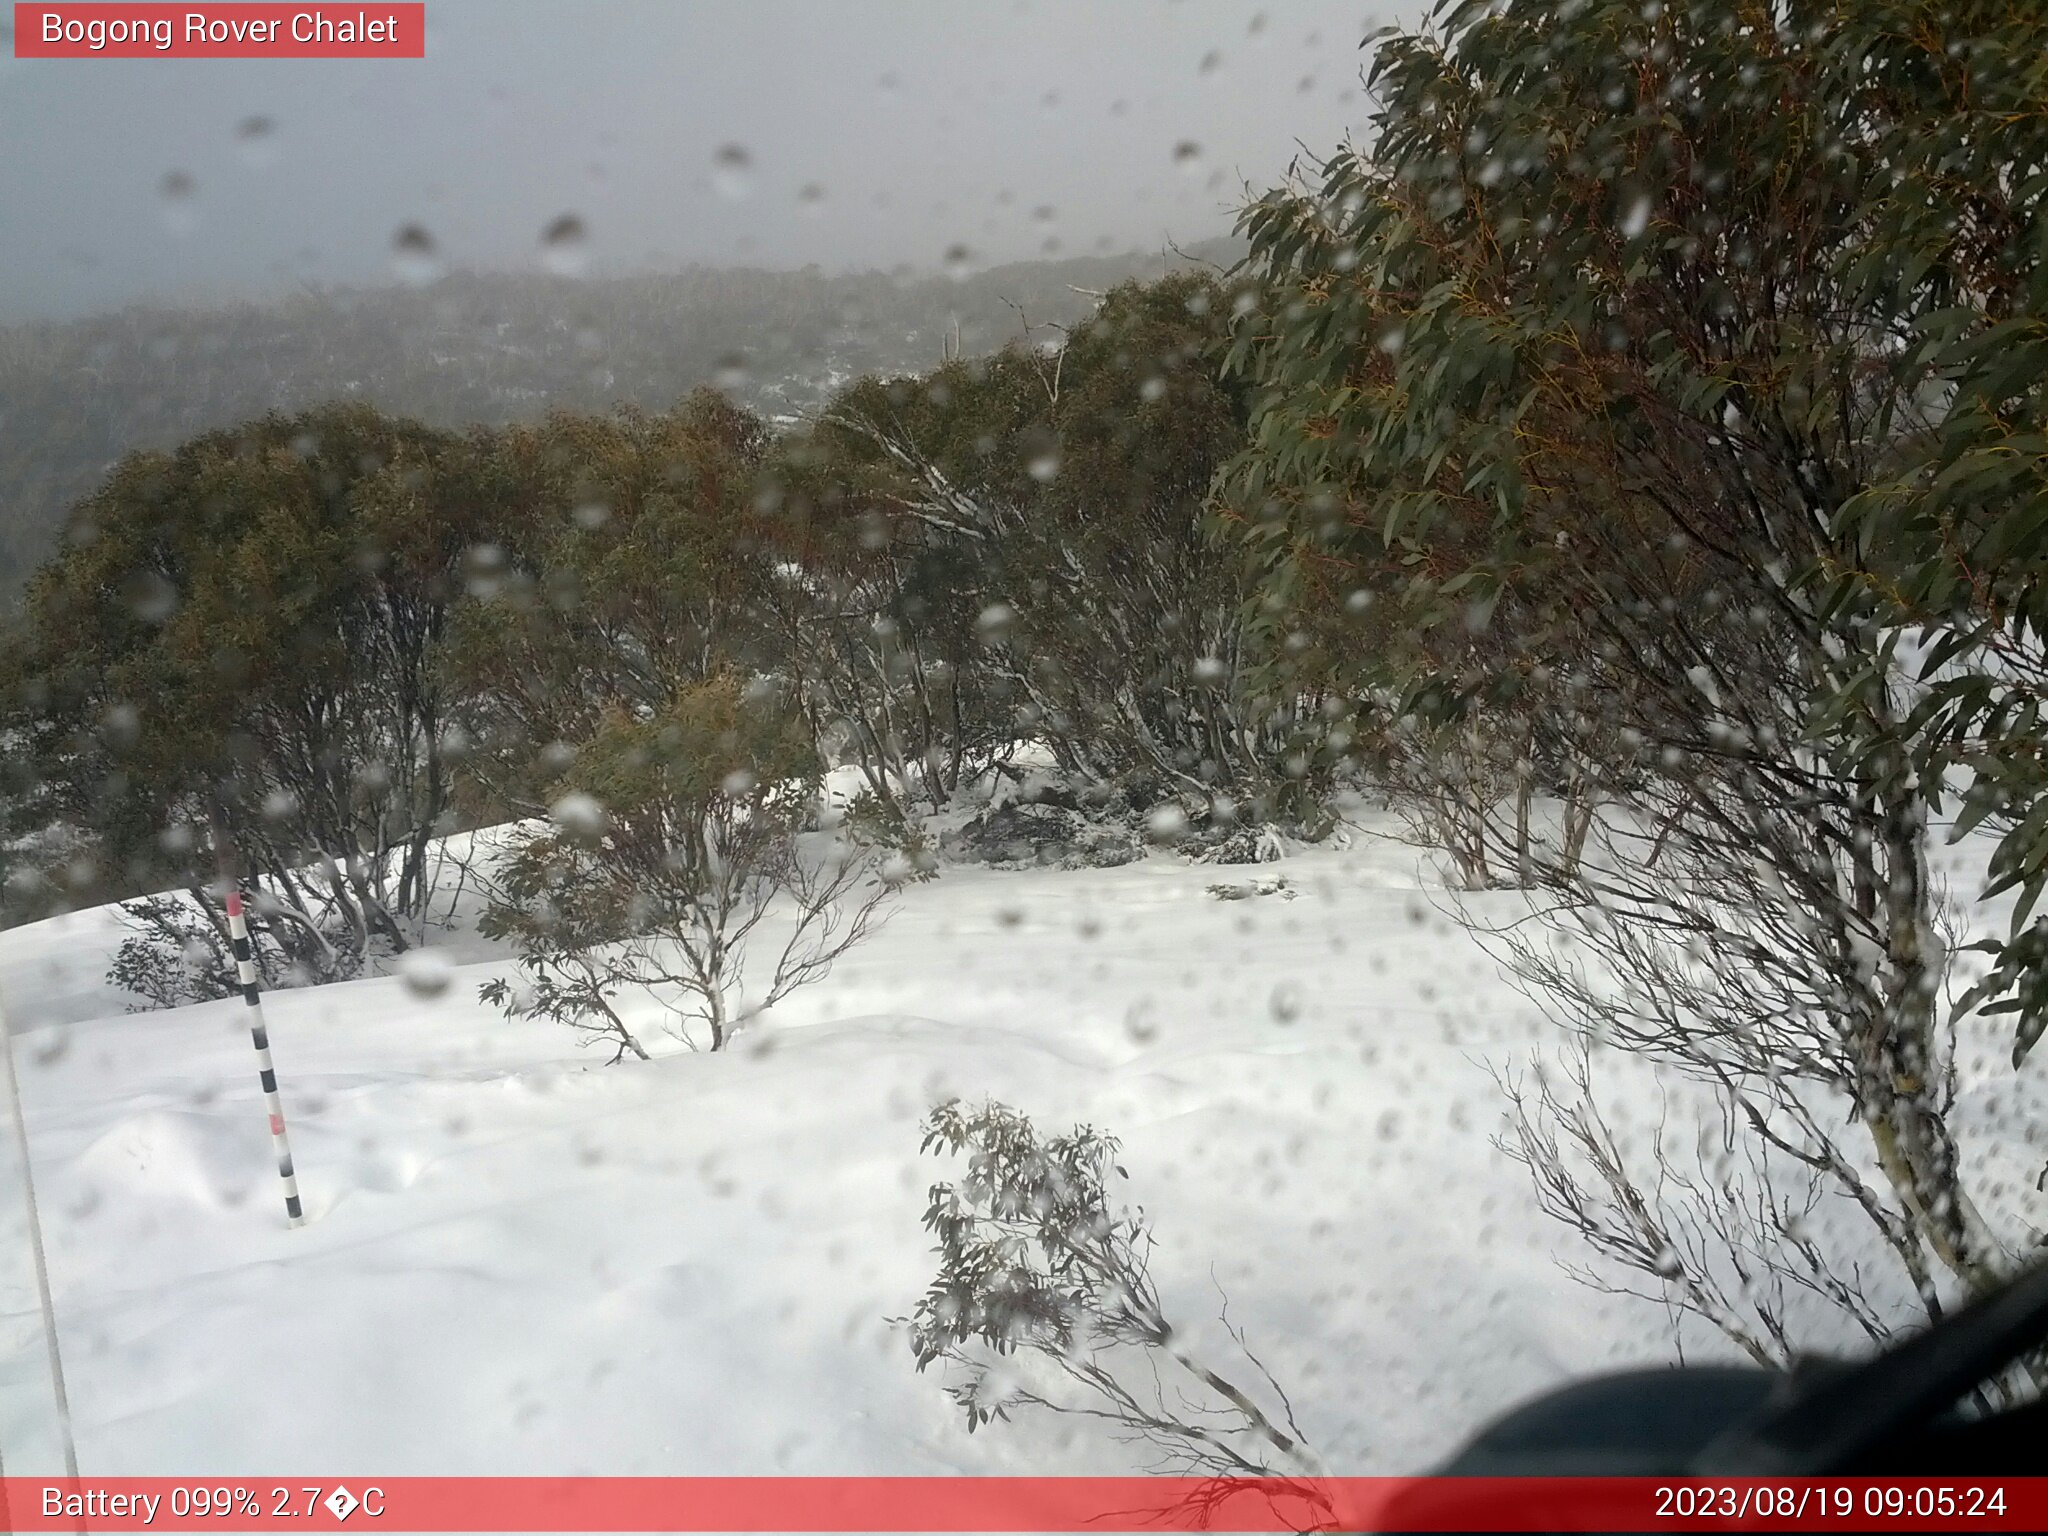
(238, 931)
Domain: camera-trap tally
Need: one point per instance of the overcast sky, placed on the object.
(769, 132)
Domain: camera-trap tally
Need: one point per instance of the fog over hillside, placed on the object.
(489, 348)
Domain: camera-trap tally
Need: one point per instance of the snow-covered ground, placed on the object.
(519, 1260)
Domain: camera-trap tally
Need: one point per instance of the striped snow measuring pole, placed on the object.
(245, 968)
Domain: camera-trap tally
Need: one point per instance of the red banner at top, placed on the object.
(263, 31)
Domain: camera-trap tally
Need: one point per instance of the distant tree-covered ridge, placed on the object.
(489, 348)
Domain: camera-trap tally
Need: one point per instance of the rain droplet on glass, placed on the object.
(1635, 216)
(256, 140)
(177, 190)
(425, 972)
(731, 171)
(414, 257)
(579, 814)
(565, 246)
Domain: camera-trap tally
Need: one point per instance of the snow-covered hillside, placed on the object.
(520, 1260)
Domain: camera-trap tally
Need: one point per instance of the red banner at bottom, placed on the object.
(1021, 1504)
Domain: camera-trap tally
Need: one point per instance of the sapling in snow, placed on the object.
(1044, 1299)
(677, 840)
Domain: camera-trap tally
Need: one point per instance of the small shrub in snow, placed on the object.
(177, 951)
(701, 808)
(909, 851)
(1044, 1300)
(172, 956)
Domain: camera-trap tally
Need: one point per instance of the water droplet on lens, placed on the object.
(414, 257)
(425, 972)
(177, 190)
(256, 140)
(1141, 1022)
(483, 569)
(959, 260)
(1187, 154)
(121, 725)
(1635, 218)
(1167, 823)
(579, 814)
(150, 597)
(730, 171)
(565, 246)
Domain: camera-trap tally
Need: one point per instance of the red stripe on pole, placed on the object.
(1018, 1504)
(259, 1037)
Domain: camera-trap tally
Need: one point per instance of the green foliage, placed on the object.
(173, 954)
(873, 822)
(1032, 526)
(630, 565)
(1692, 303)
(1952, 531)
(673, 829)
(1033, 1253)
(1044, 1300)
(1608, 388)
(242, 635)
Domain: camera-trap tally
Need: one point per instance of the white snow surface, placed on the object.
(520, 1260)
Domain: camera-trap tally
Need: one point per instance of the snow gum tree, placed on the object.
(239, 650)
(628, 564)
(1593, 370)
(1017, 547)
